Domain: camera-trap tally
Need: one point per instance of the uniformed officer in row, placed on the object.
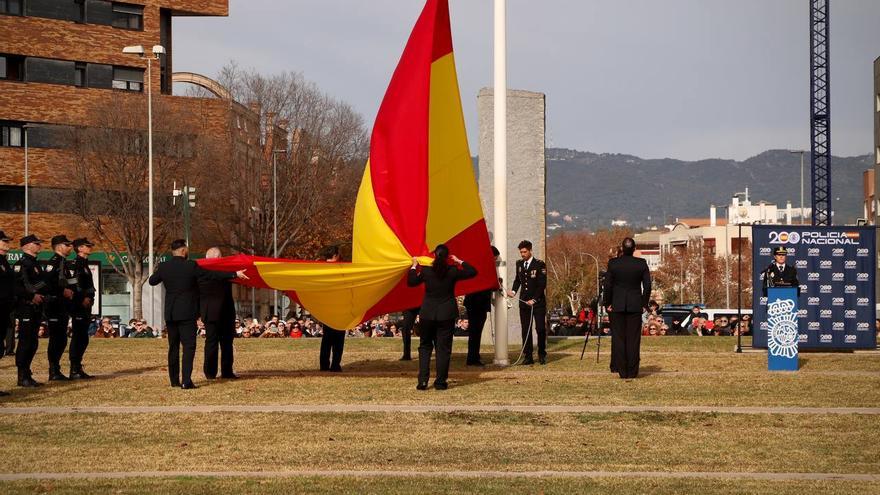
(531, 277)
(61, 280)
(31, 292)
(7, 296)
(779, 273)
(81, 309)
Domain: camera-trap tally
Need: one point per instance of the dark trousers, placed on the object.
(28, 325)
(79, 340)
(7, 330)
(57, 339)
(476, 321)
(406, 328)
(332, 343)
(218, 339)
(626, 337)
(181, 332)
(540, 326)
(434, 333)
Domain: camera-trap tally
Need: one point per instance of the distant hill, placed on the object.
(596, 189)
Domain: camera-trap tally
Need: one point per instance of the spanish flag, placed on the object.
(418, 191)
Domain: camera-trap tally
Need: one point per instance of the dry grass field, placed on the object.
(286, 428)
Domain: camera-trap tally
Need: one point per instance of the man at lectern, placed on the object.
(780, 274)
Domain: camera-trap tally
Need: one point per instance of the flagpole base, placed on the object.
(501, 362)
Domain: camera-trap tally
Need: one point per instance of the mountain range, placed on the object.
(595, 189)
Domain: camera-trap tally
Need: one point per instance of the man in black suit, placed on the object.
(531, 276)
(332, 340)
(218, 314)
(477, 306)
(181, 278)
(627, 291)
(780, 274)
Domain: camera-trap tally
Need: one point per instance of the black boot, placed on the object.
(55, 373)
(25, 379)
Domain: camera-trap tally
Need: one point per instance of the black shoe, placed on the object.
(441, 385)
(188, 386)
(4, 394)
(405, 358)
(79, 374)
(422, 386)
(175, 384)
(542, 359)
(475, 363)
(55, 375)
(336, 369)
(28, 382)
(229, 376)
(528, 361)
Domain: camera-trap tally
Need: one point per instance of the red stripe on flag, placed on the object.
(399, 144)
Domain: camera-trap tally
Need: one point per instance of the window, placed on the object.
(11, 198)
(50, 71)
(12, 7)
(65, 10)
(128, 16)
(11, 134)
(11, 67)
(128, 79)
(79, 79)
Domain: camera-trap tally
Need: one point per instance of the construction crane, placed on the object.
(820, 111)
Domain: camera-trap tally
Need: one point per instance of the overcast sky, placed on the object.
(684, 79)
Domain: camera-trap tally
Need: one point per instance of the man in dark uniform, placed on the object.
(30, 294)
(181, 278)
(81, 311)
(627, 292)
(61, 281)
(406, 329)
(332, 340)
(218, 314)
(7, 296)
(477, 306)
(780, 274)
(531, 276)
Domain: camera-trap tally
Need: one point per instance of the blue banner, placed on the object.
(836, 269)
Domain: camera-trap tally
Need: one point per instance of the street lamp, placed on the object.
(801, 152)
(275, 214)
(139, 51)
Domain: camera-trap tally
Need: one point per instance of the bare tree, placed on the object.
(325, 148)
(110, 177)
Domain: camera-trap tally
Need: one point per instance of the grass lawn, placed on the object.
(677, 371)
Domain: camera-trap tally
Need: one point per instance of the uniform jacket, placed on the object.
(773, 277)
(59, 275)
(7, 283)
(439, 303)
(29, 281)
(181, 278)
(532, 281)
(627, 284)
(85, 287)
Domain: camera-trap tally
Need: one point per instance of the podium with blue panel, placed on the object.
(782, 329)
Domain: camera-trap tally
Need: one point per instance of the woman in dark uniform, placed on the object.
(438, 312)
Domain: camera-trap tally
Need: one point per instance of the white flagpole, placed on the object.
(500, 177)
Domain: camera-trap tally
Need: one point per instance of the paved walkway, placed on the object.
(404, 408)
(447, 474)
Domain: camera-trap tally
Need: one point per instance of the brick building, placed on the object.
(60, 59)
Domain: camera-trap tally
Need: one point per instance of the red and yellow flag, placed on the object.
(418, 191)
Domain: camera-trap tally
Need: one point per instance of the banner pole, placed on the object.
(500, 177)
